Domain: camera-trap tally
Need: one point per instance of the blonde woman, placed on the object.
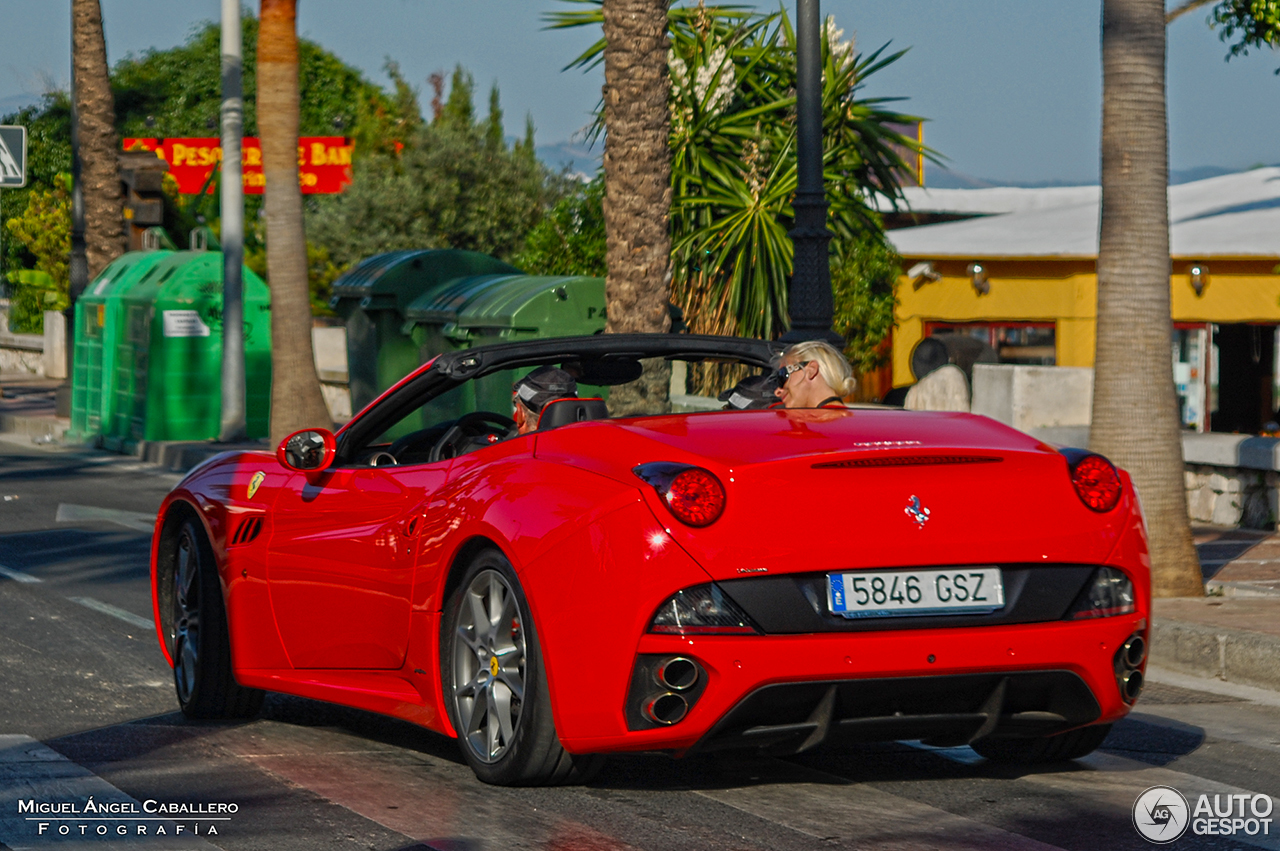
(814, 374)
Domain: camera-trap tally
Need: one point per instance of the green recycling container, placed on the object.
(487, 309)
(96, 333)
(166, 381)
(372, 298)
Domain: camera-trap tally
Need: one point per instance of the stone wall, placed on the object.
(1226, 496)
(19, 353)
(1232, 479)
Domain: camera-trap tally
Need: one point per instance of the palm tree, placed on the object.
(296, 400)
(96, 133)
(1135, 419)
(733, 163)
(637, 180)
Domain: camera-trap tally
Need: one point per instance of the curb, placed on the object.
(172, 456)
(181, 456)
(51, 428)
(1229, 655)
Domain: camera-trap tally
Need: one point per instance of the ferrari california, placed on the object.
(769, 579)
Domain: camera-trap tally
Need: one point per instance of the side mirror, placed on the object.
(307, 451)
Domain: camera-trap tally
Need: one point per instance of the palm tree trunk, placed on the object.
(637, 178)
(1135, 421)
(296, 400)
(99, 145)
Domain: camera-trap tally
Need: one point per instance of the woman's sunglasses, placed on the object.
(784, 372)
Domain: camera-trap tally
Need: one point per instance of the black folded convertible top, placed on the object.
(453, 368)
(482, 360)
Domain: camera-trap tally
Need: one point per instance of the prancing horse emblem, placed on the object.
(916, 511)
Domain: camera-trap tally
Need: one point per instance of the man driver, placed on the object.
(531, 394)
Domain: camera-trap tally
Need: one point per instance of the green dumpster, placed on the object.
(96, 332)
(487, 309)
(167, 378)
(372, 298)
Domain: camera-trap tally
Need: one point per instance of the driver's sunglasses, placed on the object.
(784, 372)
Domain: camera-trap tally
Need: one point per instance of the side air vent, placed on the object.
(907, 461)
(247, 530)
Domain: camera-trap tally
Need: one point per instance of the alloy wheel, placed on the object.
(186, 616)
(489, 666)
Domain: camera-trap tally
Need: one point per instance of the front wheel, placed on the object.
(1044, 749)
(198, 638)
(495, 686)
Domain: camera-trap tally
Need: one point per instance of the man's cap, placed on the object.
(753, 392)
(545, 384)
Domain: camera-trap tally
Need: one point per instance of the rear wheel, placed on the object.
(1042, 749)
(495, 686)
(198, 637)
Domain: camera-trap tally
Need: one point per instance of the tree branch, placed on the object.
(1182, 8)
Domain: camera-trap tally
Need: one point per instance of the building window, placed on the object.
(1033, 343)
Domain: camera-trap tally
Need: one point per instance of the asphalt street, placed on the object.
(87, 709)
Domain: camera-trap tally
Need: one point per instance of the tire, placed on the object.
(197, 633)
(494, 684)
(1044, 749)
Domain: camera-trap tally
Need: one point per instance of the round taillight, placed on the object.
(1096, 482)
(695, 497)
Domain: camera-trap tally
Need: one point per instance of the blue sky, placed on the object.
(1012, 87)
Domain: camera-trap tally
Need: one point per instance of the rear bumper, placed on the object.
(786, 693)
(942, 710)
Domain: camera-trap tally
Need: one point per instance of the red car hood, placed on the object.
(817, 490)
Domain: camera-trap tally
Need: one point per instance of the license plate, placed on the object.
(950, 591)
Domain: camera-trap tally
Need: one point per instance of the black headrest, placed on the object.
(565, 411)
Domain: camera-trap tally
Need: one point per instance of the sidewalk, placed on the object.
(1234, 635)
(27, 407)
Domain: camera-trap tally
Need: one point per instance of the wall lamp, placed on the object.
(978, 277)
(923, 273)
(1199, 274)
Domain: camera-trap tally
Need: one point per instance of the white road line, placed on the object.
(841, 813)
(18, 575)
(31, 771)
(437, 801)
(1267, 697)
(1116, 782)
(108, 609)
(135, 520)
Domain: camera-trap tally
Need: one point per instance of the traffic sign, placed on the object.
(13, 157)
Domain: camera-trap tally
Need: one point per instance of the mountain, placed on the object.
(9, 104)
(943, 178)
(579, 159)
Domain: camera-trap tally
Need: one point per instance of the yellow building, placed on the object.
(1019, 271)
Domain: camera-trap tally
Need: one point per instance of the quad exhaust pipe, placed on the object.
(676, 674)
(666, 709)
(663, 690)
(1129, 659)
(1131, 686)
(1135, 650)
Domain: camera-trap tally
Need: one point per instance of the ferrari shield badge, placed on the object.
(916, 511)
(256, 482)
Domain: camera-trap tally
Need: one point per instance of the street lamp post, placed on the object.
(810, 301)
(232, 425)
(78, 263)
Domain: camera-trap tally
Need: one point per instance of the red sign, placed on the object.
(324, 162)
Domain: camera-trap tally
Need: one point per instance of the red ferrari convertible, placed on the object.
(764, 579)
